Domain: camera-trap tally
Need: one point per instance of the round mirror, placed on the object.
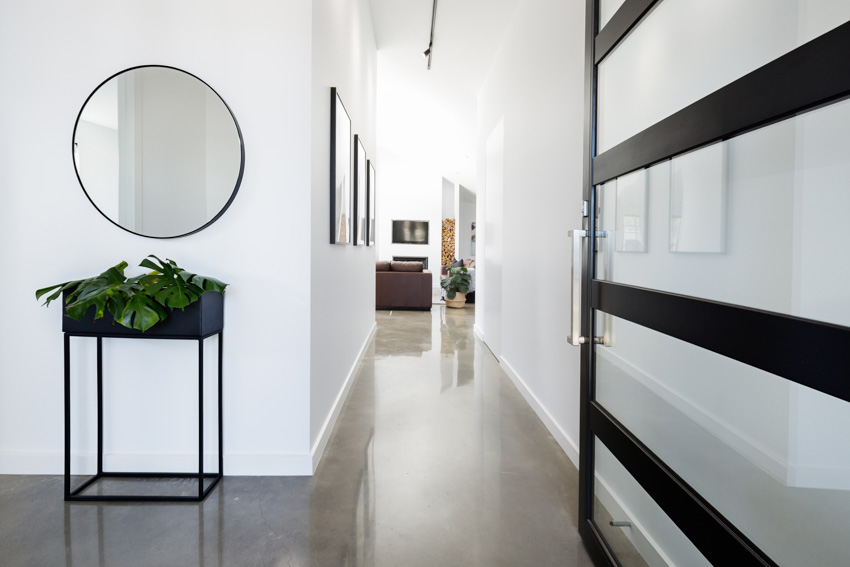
(158, 152)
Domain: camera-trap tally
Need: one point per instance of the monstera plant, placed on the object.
(139, 302)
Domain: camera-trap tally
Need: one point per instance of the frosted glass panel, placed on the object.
(698, 201)
(607, 9)
(650, 538)
(631, 212)
(770, 455)
(687, 49)
(783, 224)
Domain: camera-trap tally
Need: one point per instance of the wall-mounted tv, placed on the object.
(410, 232)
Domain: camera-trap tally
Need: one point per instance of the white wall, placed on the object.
(255, 58)
(465, 218)
(408, 190)
(98, 145)
(448, 199)
(491, 292)
(343, 277)
(409, 181)
(536, 86)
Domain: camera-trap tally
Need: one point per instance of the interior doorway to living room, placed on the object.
(458, 233)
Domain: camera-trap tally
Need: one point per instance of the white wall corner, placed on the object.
(321, 443)
(569, 445)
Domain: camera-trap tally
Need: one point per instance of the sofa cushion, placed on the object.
(383, 266)
(403, 290)
(407, 266)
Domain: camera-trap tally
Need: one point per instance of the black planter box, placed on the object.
(200, 319)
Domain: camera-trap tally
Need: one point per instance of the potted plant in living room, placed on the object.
(138, 303)
(456, 286)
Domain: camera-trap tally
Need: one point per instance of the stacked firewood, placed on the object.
(448, 242)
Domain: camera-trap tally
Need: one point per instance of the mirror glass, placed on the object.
(158, 152)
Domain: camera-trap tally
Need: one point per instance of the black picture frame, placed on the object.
(340, 172)
(359, 195)
(370, 198)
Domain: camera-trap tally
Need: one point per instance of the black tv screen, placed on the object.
(410, 232)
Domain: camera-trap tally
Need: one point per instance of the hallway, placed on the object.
(456, 469)
(436, 459)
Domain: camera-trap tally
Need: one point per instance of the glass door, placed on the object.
(714, 311)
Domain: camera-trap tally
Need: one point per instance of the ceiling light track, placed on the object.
(428, 52)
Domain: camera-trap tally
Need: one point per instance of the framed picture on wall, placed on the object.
(698, 201)
(340, 174)
(370, 184)
(360, 176)
(631, 217)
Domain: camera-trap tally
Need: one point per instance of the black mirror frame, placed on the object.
(238, 132)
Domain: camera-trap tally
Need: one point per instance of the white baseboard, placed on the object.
(31, 463)
(86, 463)
(267, 465)
(325, 434)
(567, 444)
(235, 464)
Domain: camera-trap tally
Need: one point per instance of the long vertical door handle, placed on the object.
(575, 337)
(607, 338)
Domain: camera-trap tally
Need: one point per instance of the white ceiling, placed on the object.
(432, 114)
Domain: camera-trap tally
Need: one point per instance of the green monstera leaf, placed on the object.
(141, 312)
(139, 302)
(173, 286)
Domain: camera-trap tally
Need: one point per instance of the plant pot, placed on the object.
(458, 302)
(200, 319)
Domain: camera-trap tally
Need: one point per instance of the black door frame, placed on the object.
(803, 351)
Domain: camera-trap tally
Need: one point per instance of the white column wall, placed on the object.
(465, 218)
(536, 85)
(342, 277)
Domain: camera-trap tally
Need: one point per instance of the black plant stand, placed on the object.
(209, 326)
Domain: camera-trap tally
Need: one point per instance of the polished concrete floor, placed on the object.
(436, 460)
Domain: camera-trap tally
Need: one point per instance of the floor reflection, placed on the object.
(457, 364)
(342, 502)
(411, 339)
(145, 534)
(435, 459)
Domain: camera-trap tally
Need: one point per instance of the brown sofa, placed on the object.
(402, 285)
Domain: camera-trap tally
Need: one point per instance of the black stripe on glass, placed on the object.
(712, 534)
(620, 24)
(811, 353)
(811, 75)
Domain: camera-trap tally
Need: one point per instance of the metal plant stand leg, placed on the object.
(200, 419)
(76, 494)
